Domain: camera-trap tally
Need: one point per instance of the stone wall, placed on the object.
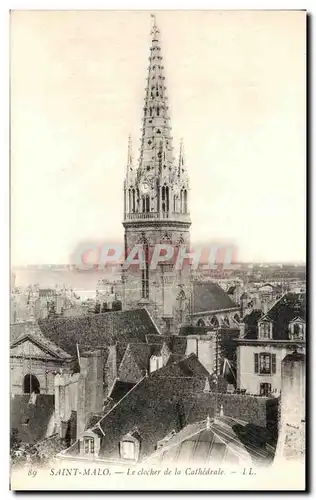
(291, 442)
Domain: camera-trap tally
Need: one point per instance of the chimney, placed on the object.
(291, 441)
(66, 391)
(90, 388)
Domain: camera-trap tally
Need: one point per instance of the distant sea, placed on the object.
(71, 278)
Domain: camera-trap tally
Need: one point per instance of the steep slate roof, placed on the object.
(195, 443)
(152, 407)
(285, 310)
(98, 330)
(259, 411)
(168, 400)
(190, 366)
(251, 323)
(176, 343)
(139, 355)
(17, 329)
(31, 420)
(160, 405)
(119, 390)
(209, 296)
(33, 333)
(158, 339)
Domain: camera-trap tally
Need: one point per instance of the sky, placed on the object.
(237, 89)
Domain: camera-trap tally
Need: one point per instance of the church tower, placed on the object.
(156, 205)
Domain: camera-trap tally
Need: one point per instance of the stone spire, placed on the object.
(156, 142)
(130, 152)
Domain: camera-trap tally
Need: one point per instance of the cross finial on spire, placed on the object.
(153, 16)
(154, 27)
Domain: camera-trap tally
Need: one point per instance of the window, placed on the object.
(237, 318)
(145, 273)
(128, 450)
(185, 201)
(297, 331)
(31, 384)
(265, 330)
(145, 207)
(88, 446)
(226, 321)
(214, 321)
(265, 363)
(265, 389)
(130, 446)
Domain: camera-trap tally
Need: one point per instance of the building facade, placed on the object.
(264, 345)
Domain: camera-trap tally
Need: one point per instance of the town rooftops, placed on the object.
(209, 296)
(95, 330)
(217, 440)
(289, 307)
(168, 400)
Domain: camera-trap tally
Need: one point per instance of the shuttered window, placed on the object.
(265, 363)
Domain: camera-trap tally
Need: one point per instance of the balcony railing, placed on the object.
(172, 216)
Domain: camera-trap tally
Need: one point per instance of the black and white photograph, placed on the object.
(158, 315)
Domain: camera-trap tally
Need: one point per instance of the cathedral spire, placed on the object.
(155, 123)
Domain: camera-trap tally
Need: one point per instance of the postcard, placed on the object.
(158, 241)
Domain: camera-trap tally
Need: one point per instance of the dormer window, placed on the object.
(130, 446)
(88, 444)
(128, 450)
(297, 329)
(265, 330)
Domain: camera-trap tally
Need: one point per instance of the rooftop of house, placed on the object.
(32, 332)
(209, 296)
(168, 400)
(288, 308)
(31, 420)
(176, 343)
(119, 390)
(231, 290)
(136, 359)
(187, 330)
(222, 439)
(94, 330)
(251, 323)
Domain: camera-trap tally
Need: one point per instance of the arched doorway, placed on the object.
(31, 384)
